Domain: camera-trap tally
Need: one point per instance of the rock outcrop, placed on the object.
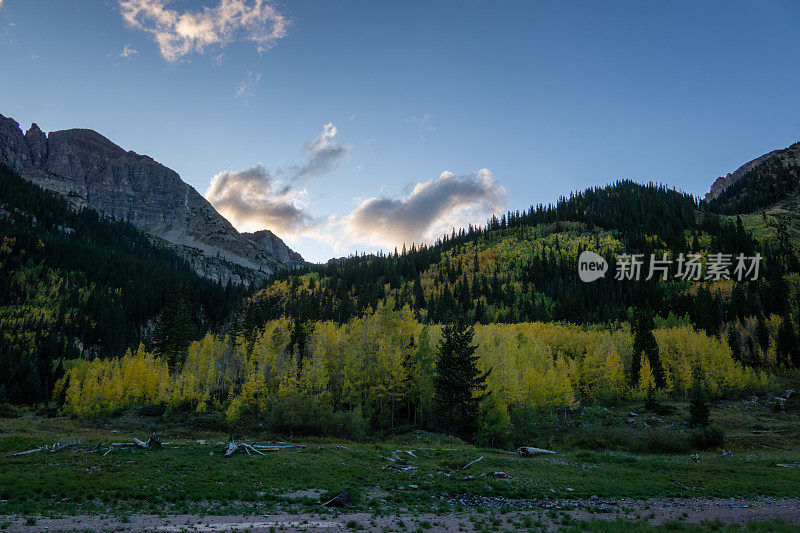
(723, 182)
(90, 170)
(275, 246)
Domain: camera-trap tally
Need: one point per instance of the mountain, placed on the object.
(786, 158)
(77, 284)
(275, 245)
(524, 267)
(90, 170)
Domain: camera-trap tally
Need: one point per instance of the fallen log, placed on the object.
(276, 447)
(26, 452)
(232, 448)
(154, 442)
(472, 463)
(55, 447)
(528, 451)
(250, 448)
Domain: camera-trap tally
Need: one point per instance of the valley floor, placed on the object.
(418, 481)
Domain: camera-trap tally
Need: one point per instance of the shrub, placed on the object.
(493, 423)
(664, 441)
(8, 411)
(599, 439)
(210, 420)
(152, 409)
(708, 437)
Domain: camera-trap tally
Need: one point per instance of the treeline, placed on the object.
(76, 283)
(386, 371)
(523, 267)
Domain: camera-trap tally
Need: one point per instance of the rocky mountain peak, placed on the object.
(37, 144)
(274, 244)
(91, 170)
(723, 182)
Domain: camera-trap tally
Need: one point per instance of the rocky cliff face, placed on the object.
(723, 182)
(90, 170)
(275, 246)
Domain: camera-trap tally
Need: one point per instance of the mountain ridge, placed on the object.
(722, 183)
(90, 170)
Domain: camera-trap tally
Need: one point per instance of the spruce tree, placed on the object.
(645, 343)
(173, 329)
(734, 343)
(762, 333)
(699, 410)
(459, 384)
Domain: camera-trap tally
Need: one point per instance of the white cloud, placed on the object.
(179, 33)
(254, 199)
(251, 199)
(323, 156)
(247, 87)
(431, 209)
(128, 51)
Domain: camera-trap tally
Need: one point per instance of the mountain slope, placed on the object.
(90, 170)
(523, 267)
(757, 184)
(74, 283)
(271, 242)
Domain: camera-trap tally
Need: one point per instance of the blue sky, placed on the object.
(516, 103)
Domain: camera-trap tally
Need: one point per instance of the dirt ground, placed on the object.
(551, 516)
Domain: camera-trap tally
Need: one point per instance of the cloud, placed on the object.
(429, 210)
(323, 156)
(128, 51)
(179, 33)
(247, 87)
(251, 199)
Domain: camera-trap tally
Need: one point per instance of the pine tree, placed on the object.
(297, 341)
(644, 342)
(786, 343)
(699, 410)
(762, 333)
(459, 384)
(173, 329)
(734, 343)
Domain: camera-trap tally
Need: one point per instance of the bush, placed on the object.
(665, 441)
(152, 409)
(493, 423)
(599, 439)
(210, 420)
(708, 437)
(9, 411)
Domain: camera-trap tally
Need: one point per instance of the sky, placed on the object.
(352, 125)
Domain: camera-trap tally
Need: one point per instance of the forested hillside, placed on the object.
(523, 267)
(379, 342)
(773, 180)
(78, 284)
(373, 343)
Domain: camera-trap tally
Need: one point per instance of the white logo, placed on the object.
(591, 266)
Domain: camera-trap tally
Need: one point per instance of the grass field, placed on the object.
(190, 476)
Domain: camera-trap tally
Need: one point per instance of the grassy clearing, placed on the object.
(193, 477)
